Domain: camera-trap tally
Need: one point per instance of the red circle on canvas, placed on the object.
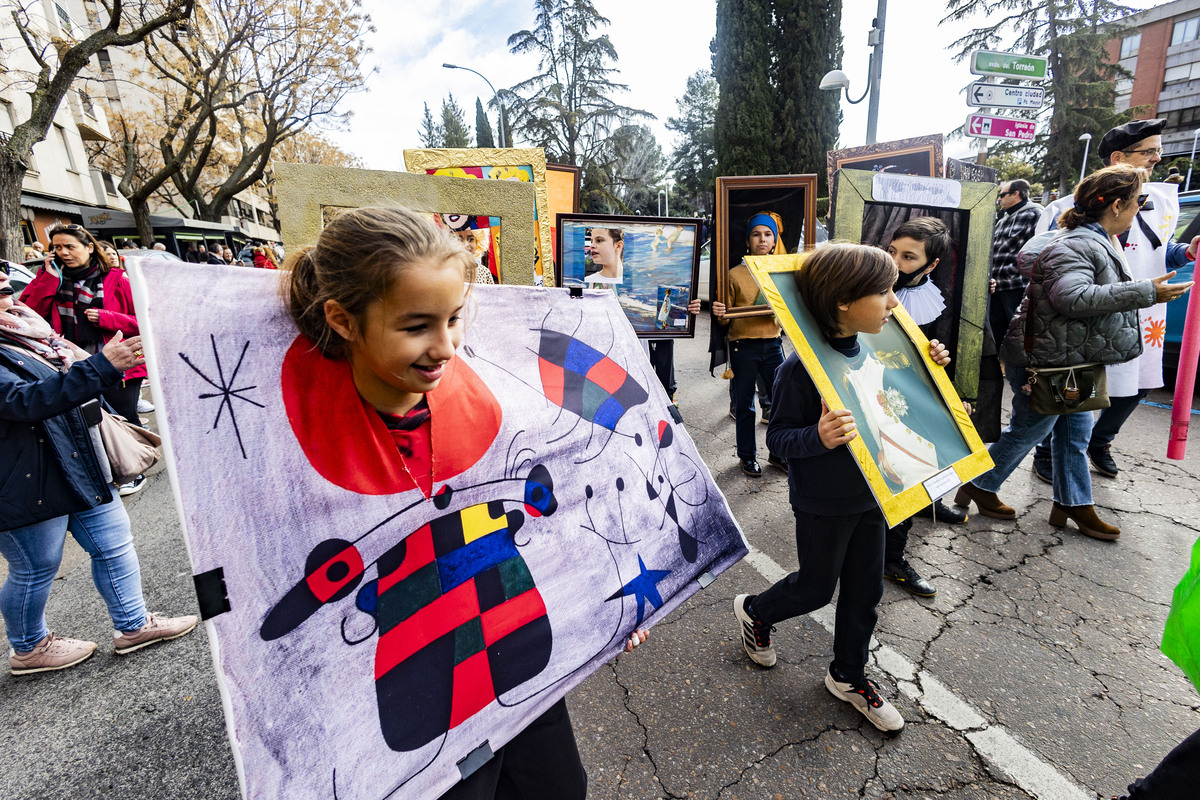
(345, 440)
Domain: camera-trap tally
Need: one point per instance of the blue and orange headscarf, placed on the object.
(772, 221)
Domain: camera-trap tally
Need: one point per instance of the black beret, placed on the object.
(1129, 134)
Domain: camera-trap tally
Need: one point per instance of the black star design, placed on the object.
(225, 389)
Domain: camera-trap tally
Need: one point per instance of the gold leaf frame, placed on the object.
(306, 190)
(496, 158)
(896, 507)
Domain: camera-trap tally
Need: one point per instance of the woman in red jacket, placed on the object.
(86, 300)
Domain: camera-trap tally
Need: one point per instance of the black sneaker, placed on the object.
(1102, 461)
(1044, 469)
(766, 416)
(750, 467)
(903, 573)
(756, 637)
(777, 461)
(944, 513)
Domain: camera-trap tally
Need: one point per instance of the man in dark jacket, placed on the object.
(1015, 225)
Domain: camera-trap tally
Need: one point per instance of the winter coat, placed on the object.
(48, 464)
(1085, 306)
(117, 315)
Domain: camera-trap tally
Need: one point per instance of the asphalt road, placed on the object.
(1035, 672)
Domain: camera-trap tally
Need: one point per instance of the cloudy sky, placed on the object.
(659, 44)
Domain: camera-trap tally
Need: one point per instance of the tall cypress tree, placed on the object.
(807, 44)
(744, 129)
(483, 128)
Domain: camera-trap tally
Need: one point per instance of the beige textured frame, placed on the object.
(449, 160)
(304, 190)
(896, 507)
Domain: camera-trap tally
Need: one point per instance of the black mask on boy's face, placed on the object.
(905, 279)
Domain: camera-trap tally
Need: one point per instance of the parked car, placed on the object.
(19, 275)
(142, 252)
(1187, 228)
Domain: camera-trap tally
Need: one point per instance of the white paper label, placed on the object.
(941, 483)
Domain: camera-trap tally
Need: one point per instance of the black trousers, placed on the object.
(540, 763)
(662, 358)
(1176, 776)
(895, 542)
(848, 548)
(124, 399)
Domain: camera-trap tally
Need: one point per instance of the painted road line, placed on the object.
(995, 745)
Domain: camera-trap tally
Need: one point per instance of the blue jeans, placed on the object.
(34, 554)
(1107, 425)
(1072, 480)
(751, 359)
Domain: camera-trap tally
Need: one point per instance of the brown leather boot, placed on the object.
(988, 502)
(1085, 517)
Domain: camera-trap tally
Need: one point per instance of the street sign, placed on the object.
(1008, 65)
(982, 93)
(983, 126)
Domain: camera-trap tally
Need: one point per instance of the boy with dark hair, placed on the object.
(847, 288)
(917, 247)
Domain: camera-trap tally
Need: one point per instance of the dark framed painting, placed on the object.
(651, 264)
(870, 206)
(920, 155)
(970, 171)
(916, 441)
(792, 197)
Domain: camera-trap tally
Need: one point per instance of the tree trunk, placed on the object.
(12, 173)
(141, 218)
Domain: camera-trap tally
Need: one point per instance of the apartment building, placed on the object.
(1162, 51)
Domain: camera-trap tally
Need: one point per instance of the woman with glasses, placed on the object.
(1083, 309)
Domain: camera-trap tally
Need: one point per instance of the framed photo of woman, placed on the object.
(651, 264)
(793, 198)
(916, 441)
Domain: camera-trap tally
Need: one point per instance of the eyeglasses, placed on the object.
(1158, 151)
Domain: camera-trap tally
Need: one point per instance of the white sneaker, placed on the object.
(144, 406)
(756, 637)
(867, 700)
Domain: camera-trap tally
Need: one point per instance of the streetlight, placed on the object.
(836, 80)
(664, 200)
(499, 105)
(1188, 182)
(1087, 143)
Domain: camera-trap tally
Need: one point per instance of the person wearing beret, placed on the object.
(1150, 253)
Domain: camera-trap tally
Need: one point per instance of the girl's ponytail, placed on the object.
(303, 297)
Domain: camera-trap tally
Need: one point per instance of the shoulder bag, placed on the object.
(131, 450)
(1059, 390)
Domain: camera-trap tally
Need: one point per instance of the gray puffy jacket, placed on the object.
(1085, 307)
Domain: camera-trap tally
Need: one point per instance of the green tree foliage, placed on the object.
(1072, 35)
(431, 132)
(744, 132)
(807, 44)
(768, 60)
(628, 176)
(1012, 166)
(568, 106)
(694, 159)
(455, 132)
(483, 128)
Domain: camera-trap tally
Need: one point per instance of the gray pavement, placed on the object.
(1034, 672)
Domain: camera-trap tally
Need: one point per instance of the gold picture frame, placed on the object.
(510, 165)
(309, 192)
(900, 349)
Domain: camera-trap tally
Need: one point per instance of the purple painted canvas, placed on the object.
(371, 632)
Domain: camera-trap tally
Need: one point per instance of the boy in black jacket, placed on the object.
(839, 527)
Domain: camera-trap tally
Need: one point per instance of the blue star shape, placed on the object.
(644, 587)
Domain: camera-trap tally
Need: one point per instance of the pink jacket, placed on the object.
(117, 314)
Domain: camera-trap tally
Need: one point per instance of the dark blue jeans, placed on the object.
(1108, 424)
(848, 549)
(751, 359)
